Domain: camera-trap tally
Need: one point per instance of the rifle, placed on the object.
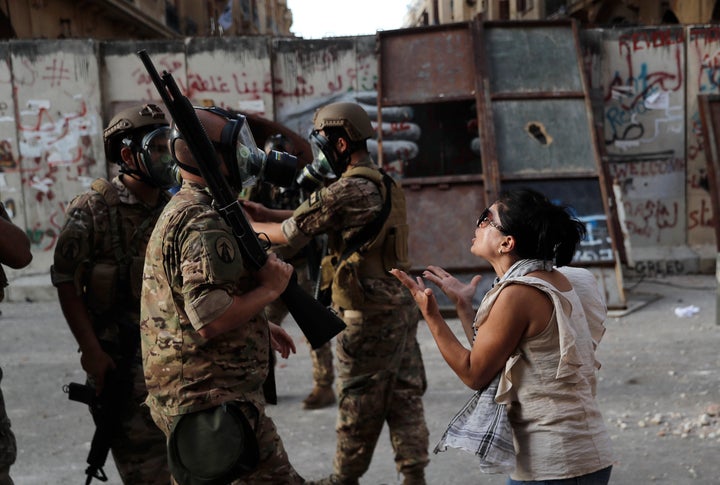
(106, 410)
(318, 323)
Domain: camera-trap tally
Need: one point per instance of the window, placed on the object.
(504, 10)
(523, 6)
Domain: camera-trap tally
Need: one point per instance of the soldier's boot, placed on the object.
(415, 477)
(334, 480)
(320, 397)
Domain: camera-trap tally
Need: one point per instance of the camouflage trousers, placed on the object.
(8, 447)
(274, 466)
(381, 380)
(140, 449)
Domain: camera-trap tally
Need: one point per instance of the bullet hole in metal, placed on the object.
(536, 131)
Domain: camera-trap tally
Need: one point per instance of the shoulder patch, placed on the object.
(225, 249)
(69, 249)
(315, 198)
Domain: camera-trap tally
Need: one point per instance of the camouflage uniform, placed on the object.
(101, 250)
(379, 365)
(192, 270)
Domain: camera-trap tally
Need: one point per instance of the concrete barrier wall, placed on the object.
(649, 79)
(56, 96)
(703, 77)
(56, 135)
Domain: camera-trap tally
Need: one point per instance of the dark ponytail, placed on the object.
(542, 230)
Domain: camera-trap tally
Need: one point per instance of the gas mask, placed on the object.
(158, 168)
(245, 162)
(327, 163)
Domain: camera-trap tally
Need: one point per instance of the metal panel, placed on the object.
(519, 57)
(544, 131)
(534, 126)
(442, 224)
(543, 137)
(426, 65)
(709, 105)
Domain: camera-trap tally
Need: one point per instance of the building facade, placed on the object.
(142, 19)
(589, 13)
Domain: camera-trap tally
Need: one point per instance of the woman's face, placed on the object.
(488, 234)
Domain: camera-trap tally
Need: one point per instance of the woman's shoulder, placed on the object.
(554, 278)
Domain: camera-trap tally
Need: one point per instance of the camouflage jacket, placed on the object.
(193, 268)
(341, 210)
(101, 249)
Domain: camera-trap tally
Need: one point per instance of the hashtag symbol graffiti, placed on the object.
(57, 73)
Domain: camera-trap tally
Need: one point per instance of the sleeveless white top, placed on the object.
(549, 384)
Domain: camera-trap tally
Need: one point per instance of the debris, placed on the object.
(686, 311)
(704, 426)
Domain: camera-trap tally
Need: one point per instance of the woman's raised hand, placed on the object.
(456, 291)
(423, 296)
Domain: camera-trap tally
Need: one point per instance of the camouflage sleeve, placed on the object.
(212, 268)
(345, 206)
(295, 237)
(75, 242)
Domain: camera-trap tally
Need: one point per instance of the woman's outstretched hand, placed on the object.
(455, 290)
(423, 296)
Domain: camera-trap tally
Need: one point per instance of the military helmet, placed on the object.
(350, 116)
(127, 121)
(144, 130)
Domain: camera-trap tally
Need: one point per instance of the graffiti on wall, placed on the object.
(703, 72)
(649, 81)
(643, 120)
(56, 152)
(652, 200)
(58, 135)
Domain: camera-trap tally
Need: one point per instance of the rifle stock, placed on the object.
(318, 323)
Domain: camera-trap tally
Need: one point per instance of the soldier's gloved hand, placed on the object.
(275, 274)
(97, 363)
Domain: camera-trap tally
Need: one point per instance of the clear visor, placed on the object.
(249, 157)
(320, 163)
(159, 164)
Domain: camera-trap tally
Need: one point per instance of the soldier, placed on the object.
(379, 365)
(306, 261)
(97, 270)
(205, 337)
(14, 252)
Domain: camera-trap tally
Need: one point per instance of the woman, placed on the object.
(538, 327)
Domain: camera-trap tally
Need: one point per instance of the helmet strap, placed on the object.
(135, 173)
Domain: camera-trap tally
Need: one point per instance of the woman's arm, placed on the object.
(514, 310)
(519, 311)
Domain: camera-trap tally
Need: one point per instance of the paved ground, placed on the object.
(659, 391)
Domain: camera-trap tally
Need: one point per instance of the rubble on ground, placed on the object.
(704, 426)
